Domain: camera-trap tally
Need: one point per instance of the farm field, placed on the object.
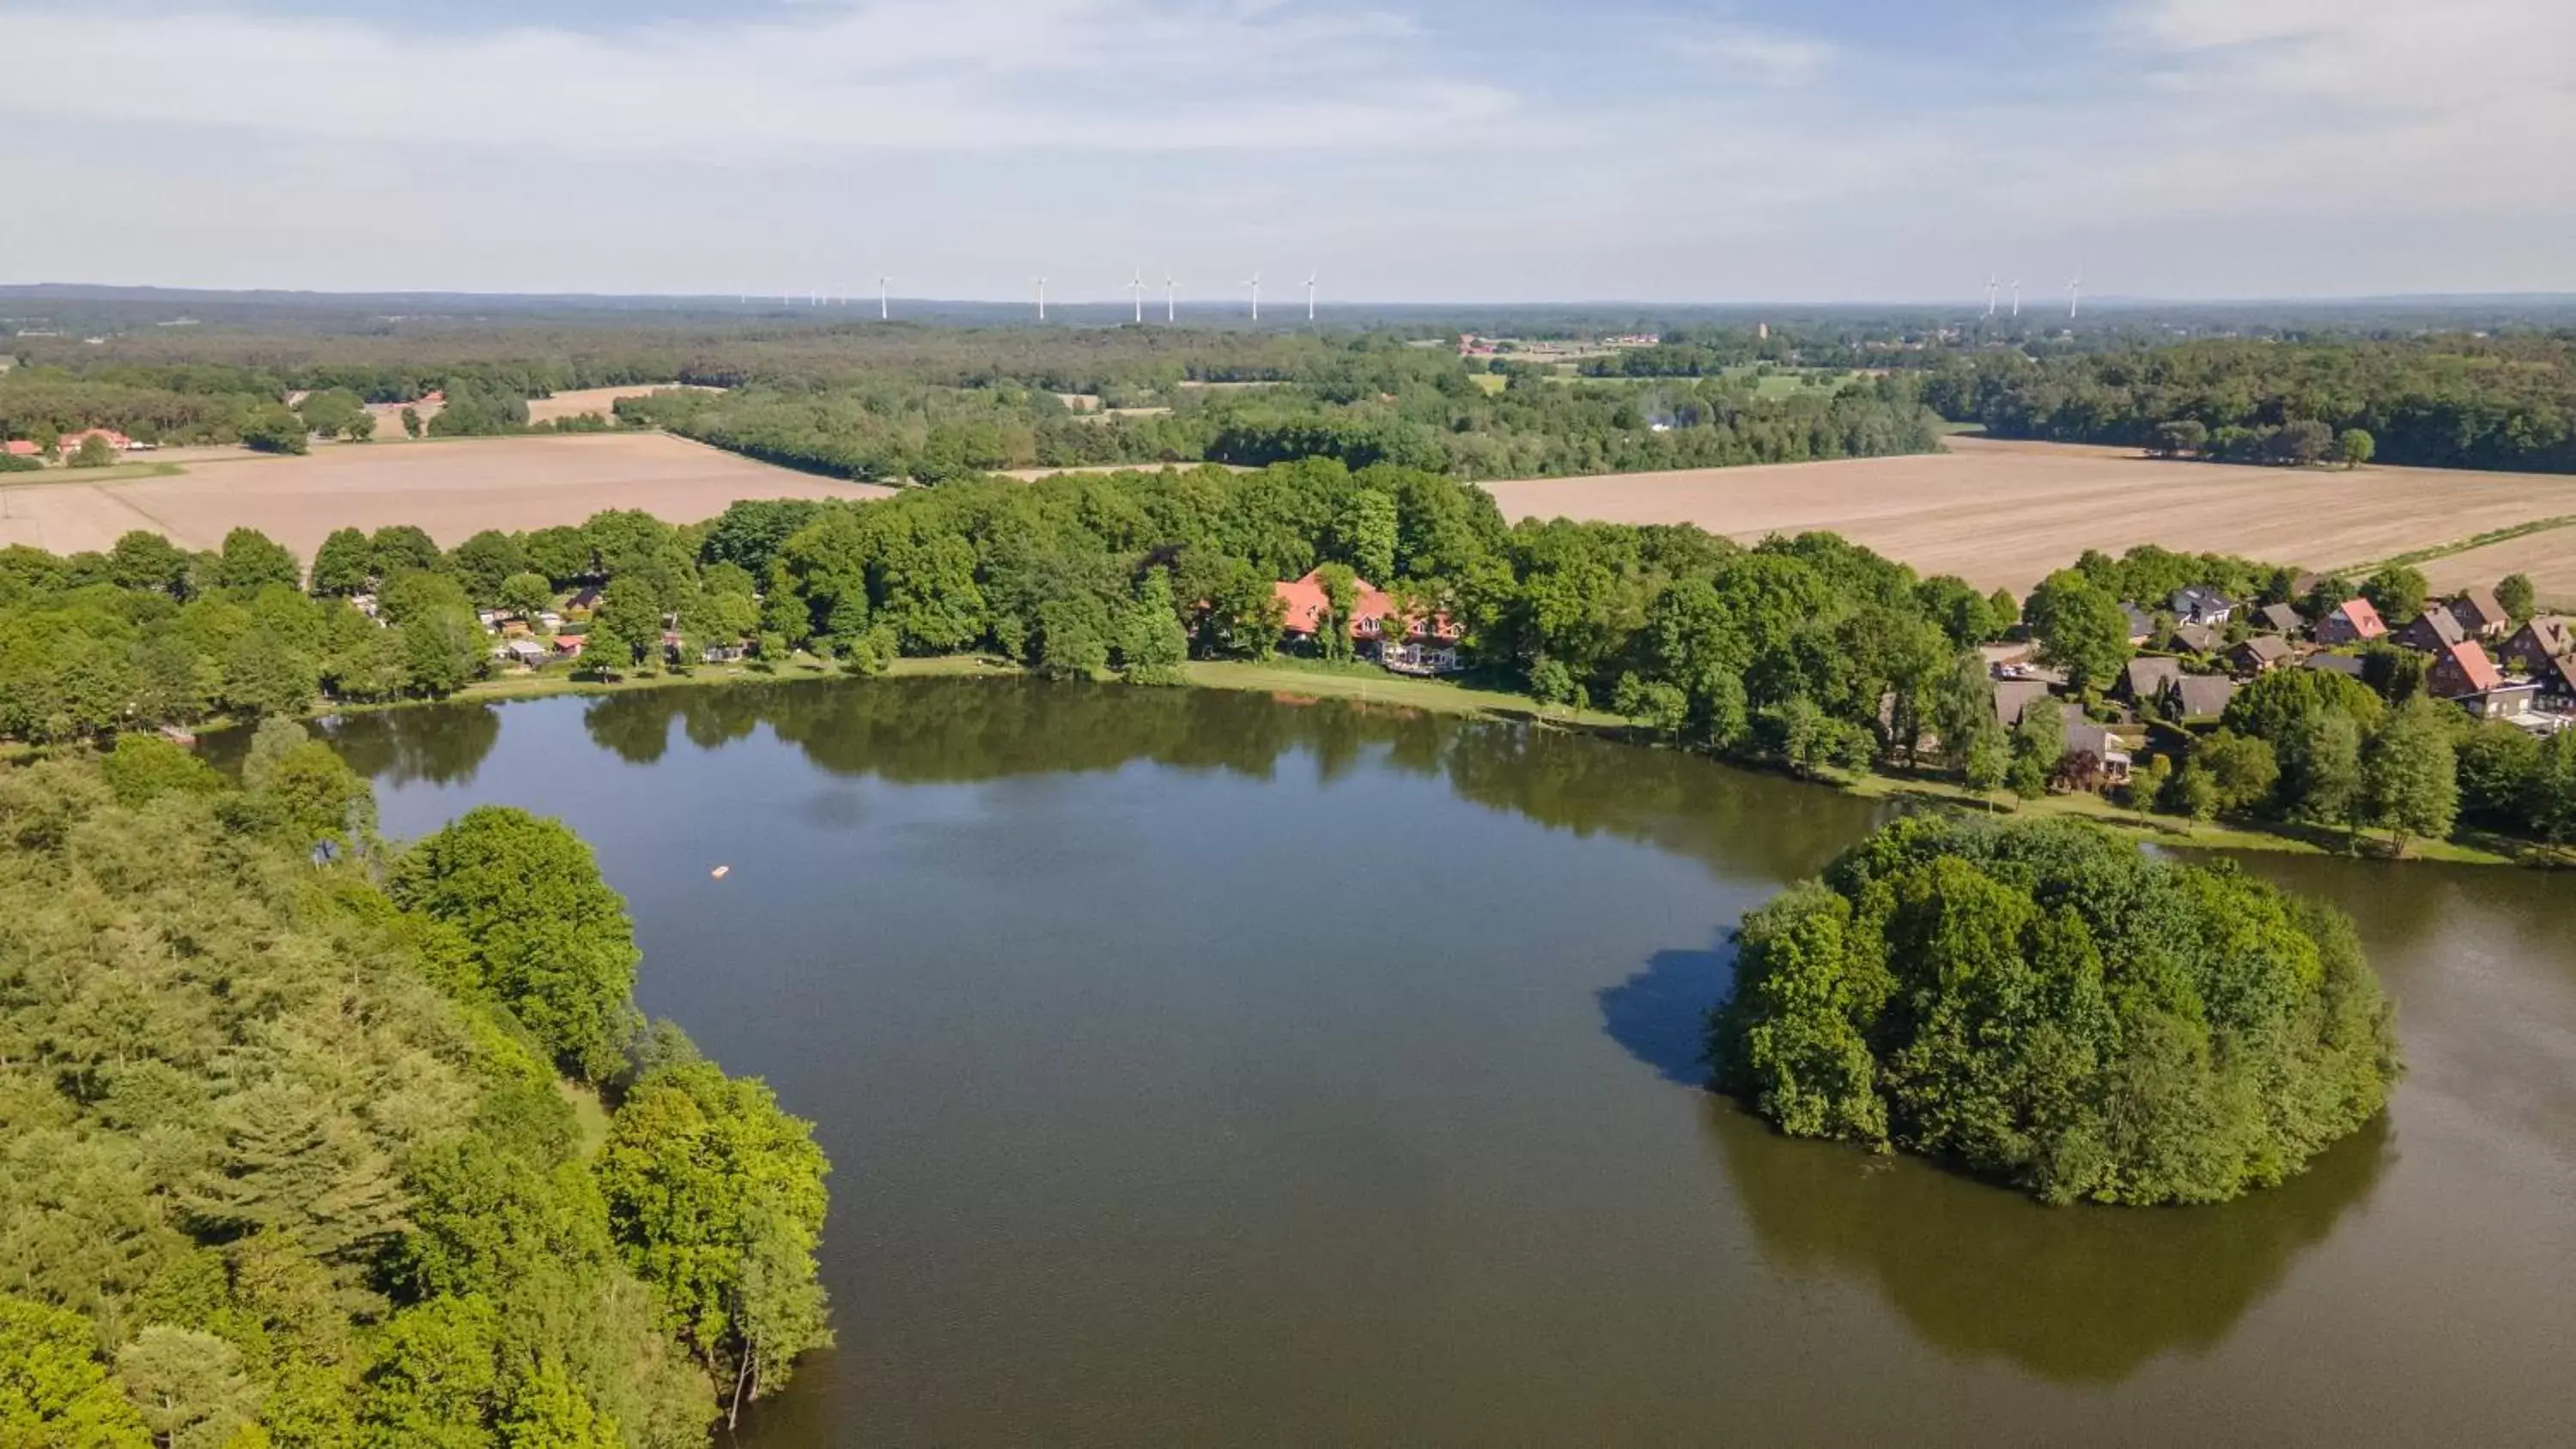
(452, 489)
(600, 400)
(2003, 514)
(2549, 557)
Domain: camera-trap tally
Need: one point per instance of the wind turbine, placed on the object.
(1042, 299)
(1137, 288)
(1310, 294)
(1255, 285)
(1171, 299)
(2016, 294)
(884, 305)
(1993, 285)
(2074, 294)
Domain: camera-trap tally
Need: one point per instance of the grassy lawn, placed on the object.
(1313, 679)
(113, 473)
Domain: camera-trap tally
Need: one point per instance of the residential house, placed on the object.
(2144, 679)
(725, 653)
(2281, 619)
(525, 653)
(550, 621)
(2544, 640)
(2199, 698)
(2557, 681)
(2109, 754)
(1425, 645)
(2348, 665)
(2142, 625)
(2261, 653)
(2479, 615)
(2354, 621)
(21, 448)
(584, 602)
(71, 442)
(2433, 632)
(2460, 670)
(2198, 638)
(2200, 604)
(2012, 696)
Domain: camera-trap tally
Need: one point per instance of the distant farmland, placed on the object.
(452, 489)
(2002, 515)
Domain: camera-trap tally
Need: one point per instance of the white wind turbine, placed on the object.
(2016, 296)
(885, 306)
(1042, 299)
(2074, 293)
(1136, 287)
(1311, 275)
(1171, 299)
(1255, 285)
(1994, 284)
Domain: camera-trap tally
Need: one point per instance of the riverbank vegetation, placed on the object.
(309, 1140)
(1808, 653)
(2052, 1008)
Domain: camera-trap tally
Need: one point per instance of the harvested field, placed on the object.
(600, 400)
(2549, 557)
(2003, 514)
(452, 489)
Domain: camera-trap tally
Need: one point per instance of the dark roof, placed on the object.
(2012, 696)
(2200, 599)
(2347, 664)
(2445, 630)
(2202, 696)
(2199, 638)
(2281, 617)
(2141, 623)
(2145, 678)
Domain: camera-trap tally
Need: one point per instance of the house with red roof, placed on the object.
(21, 448)
(2463, 674)
(71, 441)
(1407, 645)
(2354, 621)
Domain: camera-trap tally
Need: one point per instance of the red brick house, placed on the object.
(2479, 615)
(2354, 621)
(2462, 669)
(2539, 643)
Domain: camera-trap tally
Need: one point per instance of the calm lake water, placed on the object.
(1202, 1069)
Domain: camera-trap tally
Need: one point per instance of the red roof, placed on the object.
(1305, 604)
(114, 438)
(2363, 618)
(21, 448)
(2478, 671)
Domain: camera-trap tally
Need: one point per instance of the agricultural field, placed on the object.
(600, 400)
(2003, 514)
(2549, 556)
(452, 489)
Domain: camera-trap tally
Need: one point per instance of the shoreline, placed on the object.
(1299, 681)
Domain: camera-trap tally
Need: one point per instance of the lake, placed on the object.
(1199, 1068)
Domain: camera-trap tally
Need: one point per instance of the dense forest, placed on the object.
(2044, 1004)
(2448, 402)
(910, 404)
(1808, 652)
(310, 1140)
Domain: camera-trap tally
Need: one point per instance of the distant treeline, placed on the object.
(2450, 402)
(927, 405)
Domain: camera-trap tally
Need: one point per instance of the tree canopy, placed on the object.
(2051, 1008)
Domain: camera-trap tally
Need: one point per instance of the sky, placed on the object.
(1397, 150)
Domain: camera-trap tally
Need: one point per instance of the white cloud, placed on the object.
(1772, 56)
(933, 75)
